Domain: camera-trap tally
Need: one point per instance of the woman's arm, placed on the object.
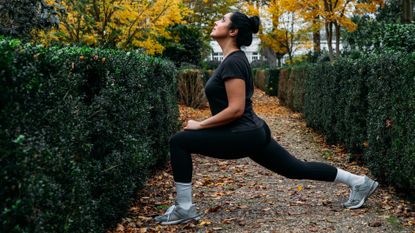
(235, 90)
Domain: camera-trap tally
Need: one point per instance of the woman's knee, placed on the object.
(178, 139)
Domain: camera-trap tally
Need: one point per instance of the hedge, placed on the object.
(191, 84)
(336, 102)
(267, 80)
(291, 87)
(80, 129)
(391, 119)
(366, 103)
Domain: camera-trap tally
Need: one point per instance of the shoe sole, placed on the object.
(372, 190)
(196, 218)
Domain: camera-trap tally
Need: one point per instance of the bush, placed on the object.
(374, 36)
(291, 87)
(399, 37)
(267, 80)
(80, 130)
(391, 119)
(272, 81)
(210, 65)
(336, 102)
(191, 88)
(188, 49)
(259, 64)
(365, 103)
(260, 76)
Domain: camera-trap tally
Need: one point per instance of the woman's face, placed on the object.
(221, 28)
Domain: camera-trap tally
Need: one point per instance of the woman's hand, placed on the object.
(193, 125)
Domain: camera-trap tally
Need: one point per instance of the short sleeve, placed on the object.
(234, 68)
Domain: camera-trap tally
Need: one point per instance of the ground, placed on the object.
(241, 196)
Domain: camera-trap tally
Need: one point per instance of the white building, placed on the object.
(252, 51)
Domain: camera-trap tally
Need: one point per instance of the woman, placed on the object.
(234, 131)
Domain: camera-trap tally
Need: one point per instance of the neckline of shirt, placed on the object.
(230, 54)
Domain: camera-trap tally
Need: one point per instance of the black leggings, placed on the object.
(256, 144)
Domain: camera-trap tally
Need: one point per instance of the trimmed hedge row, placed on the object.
(191, 84)
(391, 119)
(267, 80)
(291, 87)
(366, 103)
(336, 101)
(80, 129)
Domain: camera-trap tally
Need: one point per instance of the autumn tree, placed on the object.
(123, 24)
(288, 32)
(338, 13)
(330, 14)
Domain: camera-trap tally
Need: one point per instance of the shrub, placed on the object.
(259, 64)
(188, 49)
(282, 85)
(335, 101)
(210, 65)
(391, 119)
(80, 130)
(399, 37)
(191, 88)
(374, 36)
(260, 78)
(272, 81)
(267, 80)
(367, 104)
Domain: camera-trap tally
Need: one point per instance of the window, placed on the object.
(255, 56)
(217, 56)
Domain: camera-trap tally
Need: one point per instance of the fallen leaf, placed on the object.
(375, 224)
(214, 209)
(228, 220)
(205, 223)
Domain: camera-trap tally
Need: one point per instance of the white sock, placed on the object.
(184, 195)
(348, 178)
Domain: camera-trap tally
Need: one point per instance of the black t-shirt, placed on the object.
(235, 65)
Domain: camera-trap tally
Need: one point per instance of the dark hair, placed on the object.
(246, 26)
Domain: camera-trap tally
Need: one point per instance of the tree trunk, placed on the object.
(407, 11)
(279, 62)
(338, 32)
(329, 34)
(269, 54)
(316, 37)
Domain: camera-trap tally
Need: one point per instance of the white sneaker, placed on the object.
(360, 193)
(176, 215)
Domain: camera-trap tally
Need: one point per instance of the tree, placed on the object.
(335, 14)
(123, 24)
(186, 44)
(18, 18)
(338, 13)
(390, 13)
(288, 31)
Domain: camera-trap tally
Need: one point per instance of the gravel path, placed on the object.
(241, 196)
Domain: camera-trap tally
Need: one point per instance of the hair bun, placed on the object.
(254, 23)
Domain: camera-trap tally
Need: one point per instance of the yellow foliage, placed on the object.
(250, 8)
(309, 16)
(123, 23)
